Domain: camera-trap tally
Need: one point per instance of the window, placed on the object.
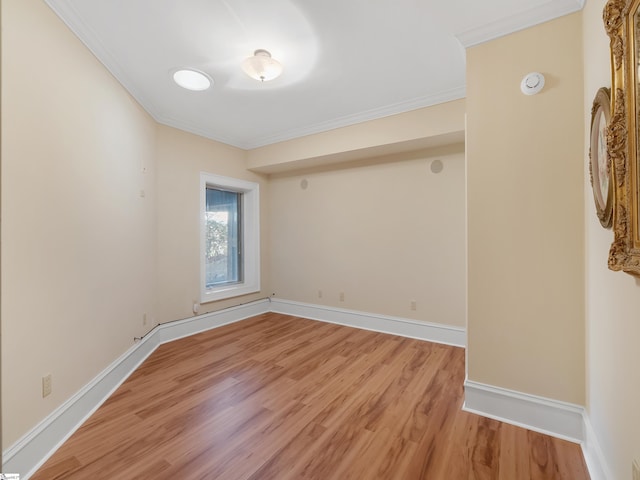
(230, 237)
(223, 217)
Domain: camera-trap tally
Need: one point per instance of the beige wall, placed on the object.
(85, 256)
(383, 231)
(181, 157)
(525, 213)
(78, 240)
(90, 243)
(612, 299)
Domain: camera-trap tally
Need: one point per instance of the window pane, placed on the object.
(223, 240)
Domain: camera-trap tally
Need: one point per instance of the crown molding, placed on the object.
(519, 21)
(185, 126)
(444, 96)
(72, 19)
(345, 121)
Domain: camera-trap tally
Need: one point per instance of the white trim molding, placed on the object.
(544, 415)
(519, 21)
(447, 95)
(248, 232)
(593, 456)
(551, 417)
(33, 449)
(432, 332)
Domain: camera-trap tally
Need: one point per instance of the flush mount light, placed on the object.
(192, 79)
(261, 66)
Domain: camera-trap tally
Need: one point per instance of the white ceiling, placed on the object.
(345, 61)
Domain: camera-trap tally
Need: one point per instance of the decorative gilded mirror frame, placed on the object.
(622, 20)
(599, 160)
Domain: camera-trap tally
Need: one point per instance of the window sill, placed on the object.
(228, 291)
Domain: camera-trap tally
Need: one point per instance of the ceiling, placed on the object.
(345, 61)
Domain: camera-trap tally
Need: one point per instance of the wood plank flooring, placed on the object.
(284, 398)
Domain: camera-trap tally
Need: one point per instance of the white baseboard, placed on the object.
(404, 327)
(593, 456)
(32, 450)
(546, 416)
(551, 417)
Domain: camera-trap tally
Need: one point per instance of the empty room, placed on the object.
(285, 240)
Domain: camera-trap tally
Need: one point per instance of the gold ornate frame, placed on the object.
(599, 161)
(622, 20)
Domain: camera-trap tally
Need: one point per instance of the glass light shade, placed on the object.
(192, 80)
(261, 66)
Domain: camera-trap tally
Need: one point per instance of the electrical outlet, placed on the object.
(342, 296)
(414, 305)
(636, 470)
(46, 385)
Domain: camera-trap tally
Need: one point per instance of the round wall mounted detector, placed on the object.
(532, 83)
(437, 166)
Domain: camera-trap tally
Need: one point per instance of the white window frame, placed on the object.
(250, 219)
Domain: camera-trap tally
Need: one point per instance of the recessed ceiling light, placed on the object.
(192, 79)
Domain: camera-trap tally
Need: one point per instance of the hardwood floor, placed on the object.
(279, 397)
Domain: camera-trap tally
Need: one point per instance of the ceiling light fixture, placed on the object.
(261, 66)
(192, 79)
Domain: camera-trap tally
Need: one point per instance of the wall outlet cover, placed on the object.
(46, 385)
